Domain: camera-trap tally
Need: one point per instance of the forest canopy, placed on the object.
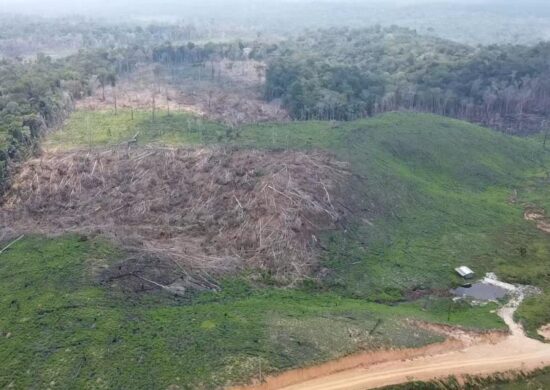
(38, 95)
(344, 74)
(329, 74)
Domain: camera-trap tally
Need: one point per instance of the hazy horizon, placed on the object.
(122, 8)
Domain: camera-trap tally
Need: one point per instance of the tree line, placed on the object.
(37, 95)
(24, 36)
(344, 74)
(331, 74)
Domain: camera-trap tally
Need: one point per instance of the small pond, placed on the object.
(481, 291)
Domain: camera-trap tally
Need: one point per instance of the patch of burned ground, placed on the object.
(206, 212)
(227, 91)
(419, 293)
(146, 272)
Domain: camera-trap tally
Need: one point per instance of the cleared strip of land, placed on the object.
(515, 352)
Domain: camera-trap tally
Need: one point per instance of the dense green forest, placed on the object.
(343, 74)
(485, 22)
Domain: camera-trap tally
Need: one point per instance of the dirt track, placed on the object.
(513, 352)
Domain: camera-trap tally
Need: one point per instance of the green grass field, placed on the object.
(103, 128)
(432, 193)
(62, 328)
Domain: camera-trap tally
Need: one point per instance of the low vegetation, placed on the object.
(85, 129)
(431, 193)
(64, 326)
(199, 204)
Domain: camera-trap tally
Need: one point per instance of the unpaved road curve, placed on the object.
(513, 352)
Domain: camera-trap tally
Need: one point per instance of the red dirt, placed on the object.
(470, 356)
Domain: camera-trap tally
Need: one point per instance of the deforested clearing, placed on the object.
(209, 211)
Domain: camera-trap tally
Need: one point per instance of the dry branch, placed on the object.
(180, 204)
(11, 243)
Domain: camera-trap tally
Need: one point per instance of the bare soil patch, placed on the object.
(463, 354)
(538, 216)
(349, 363)
(466, 337)
(205, 212)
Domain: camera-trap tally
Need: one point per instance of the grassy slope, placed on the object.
(437, 195)
(103, 128)
(434, 194)
(59, 324)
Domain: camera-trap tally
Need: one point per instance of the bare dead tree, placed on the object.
(115, 101)
(546, 131)
(153, 106)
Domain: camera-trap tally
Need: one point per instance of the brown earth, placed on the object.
(543, 224)
(209, 211)
(461, 355)
(538, 216)
(456, 339)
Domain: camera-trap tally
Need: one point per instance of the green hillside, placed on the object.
(429, 193)
(434, 193)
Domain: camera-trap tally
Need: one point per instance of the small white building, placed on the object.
(465, 272)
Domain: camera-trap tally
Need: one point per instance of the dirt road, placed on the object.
(513, 352)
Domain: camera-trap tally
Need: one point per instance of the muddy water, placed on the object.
(481, 291)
